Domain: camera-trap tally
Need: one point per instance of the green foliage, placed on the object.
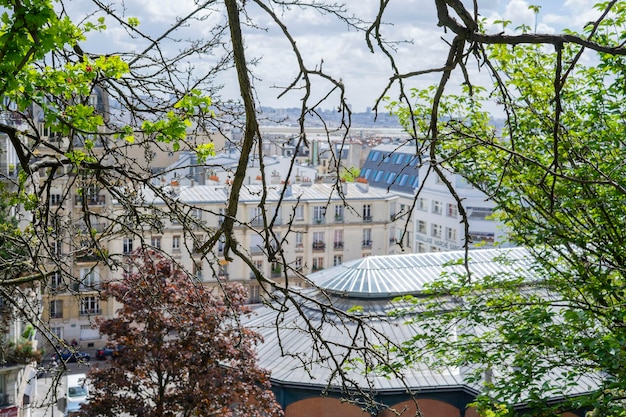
(349, 174)
(556, 172)
(184, 349)
(173, 128)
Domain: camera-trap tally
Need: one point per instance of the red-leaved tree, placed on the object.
(184, 350)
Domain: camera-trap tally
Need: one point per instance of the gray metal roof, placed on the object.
(200, 194)
(306, 339)
(390, 276)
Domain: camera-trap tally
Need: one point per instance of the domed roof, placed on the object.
(395, 275)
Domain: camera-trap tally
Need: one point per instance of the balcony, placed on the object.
(93, 200)
(367, 244)
(338, 245)
(319, 220)
(367, 219)
(90, 311)
(96, 286)
(317, 246)
(338, 218)
(299, 247)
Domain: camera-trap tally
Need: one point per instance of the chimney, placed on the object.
(275, 179)
(362, 185)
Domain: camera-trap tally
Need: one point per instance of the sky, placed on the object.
(322, 37)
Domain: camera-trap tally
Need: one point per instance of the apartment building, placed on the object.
(435, 223)
(314, 228)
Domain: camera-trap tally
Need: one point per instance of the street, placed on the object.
(44, 403)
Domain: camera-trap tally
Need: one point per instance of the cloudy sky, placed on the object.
(321, 37)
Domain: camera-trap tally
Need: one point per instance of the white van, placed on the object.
(76, 393)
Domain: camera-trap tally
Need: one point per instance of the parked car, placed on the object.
(67, 355)
(108, 352)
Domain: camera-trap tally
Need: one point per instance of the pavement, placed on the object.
(50, 387)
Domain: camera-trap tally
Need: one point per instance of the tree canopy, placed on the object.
(554, 167)
(182, 350)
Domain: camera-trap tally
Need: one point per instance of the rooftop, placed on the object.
(306, 339)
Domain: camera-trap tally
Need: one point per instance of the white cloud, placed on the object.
(321, 36)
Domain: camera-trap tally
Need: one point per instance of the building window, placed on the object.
(176, 243)
(422, 204)
(155, 241)
(256, 216)
(392, 235)
(258, 264)
(367, 212)
(367, 238)
(56, 281)
(337, 260)
(392, 176)
(450, 233)
(437, 207)
(197, 271)
(319, 212)
(374, 156)
(221, 215)
(318, 241)
(89, 278)
(338, 239)
(421, 227)
(318, 263)
(56, 309)
(57, 248)
(436, 230)
(451, 210)
(198, 243)
(89, 305)
(299, 239)
(297, 264)
(403, 179)
(55, 199)
(378, 176)
(338, 213)
(221, 243)
(127, 245)
(253, 294)
(299, 212)
(196, 213)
